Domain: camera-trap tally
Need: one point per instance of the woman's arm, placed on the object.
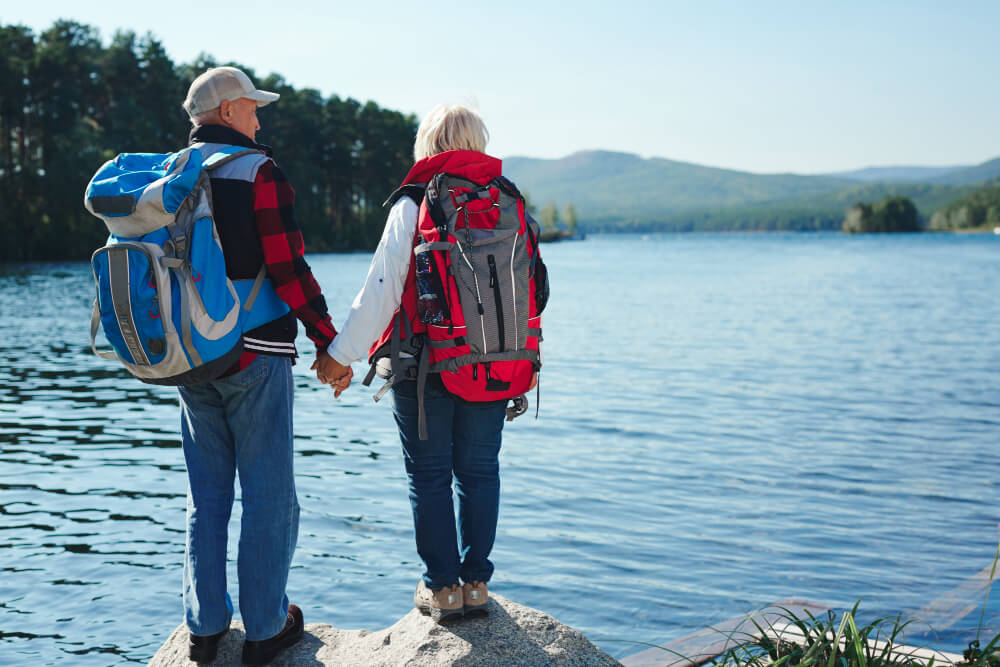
(380, 296)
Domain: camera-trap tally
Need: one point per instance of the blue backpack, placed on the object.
(164, 302)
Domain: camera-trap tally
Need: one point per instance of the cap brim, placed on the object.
(262, 97)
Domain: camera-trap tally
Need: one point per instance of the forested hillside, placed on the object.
(605, 185)
(623, 192)
(978, 208)
(982, 172)
(68, 103)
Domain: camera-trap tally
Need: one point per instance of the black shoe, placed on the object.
(202, 648)
(264, 651)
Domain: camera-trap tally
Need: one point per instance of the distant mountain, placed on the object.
(619, 191)
(962, 175)
(897, 174)
(982, 172)
(604, 183)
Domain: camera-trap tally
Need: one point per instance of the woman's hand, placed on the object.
(330, 371)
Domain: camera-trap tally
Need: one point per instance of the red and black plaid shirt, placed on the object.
(283, 246)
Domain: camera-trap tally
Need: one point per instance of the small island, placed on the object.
(551, 228)
(891, 215)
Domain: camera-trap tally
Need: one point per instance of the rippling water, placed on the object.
(726, 421)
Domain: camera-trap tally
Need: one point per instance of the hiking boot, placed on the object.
(475, 596)
(202, 648)
(442, 605)
(264, 651)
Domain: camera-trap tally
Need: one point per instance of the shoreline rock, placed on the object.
(512, 634)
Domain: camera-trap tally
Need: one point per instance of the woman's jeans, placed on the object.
(240, 423)
(464, 441)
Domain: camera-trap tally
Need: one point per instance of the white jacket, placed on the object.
(379, 298)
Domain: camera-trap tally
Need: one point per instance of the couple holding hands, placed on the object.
(449, 314)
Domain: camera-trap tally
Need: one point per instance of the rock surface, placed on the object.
(512, 634)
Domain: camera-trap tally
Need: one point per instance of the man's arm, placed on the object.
(281, 241)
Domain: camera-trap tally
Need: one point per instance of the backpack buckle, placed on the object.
(519, 405)
(175, 245)
(180, 245)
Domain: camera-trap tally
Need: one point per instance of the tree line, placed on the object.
(980, 209)
(892, 214)
(977, 209)
(68, 103)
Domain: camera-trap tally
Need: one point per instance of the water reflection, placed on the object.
(727, 421)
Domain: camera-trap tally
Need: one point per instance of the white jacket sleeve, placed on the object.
(375, 304)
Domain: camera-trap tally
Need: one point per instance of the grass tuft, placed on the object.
(827, 641)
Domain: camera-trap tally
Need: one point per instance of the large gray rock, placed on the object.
(512, 634)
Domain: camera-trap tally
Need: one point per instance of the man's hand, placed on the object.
(330, 371)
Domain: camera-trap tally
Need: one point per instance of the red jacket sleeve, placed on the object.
(281, 241)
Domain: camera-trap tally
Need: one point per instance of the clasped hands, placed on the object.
(330, 371)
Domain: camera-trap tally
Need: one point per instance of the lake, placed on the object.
(726, 421)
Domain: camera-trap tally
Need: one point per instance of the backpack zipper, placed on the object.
(479, 297)
(495, 284)
(513, 289)
(450, 273)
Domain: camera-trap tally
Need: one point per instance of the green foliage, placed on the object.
(892, 214)
(981, 207)
(67, 103)
(812, 641)
(548, 217)
(981, 657)
(569, 217)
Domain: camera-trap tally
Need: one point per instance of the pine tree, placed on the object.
(569, 217)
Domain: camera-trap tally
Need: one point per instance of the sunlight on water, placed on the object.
(726, 421)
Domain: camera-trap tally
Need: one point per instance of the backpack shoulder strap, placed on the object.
(219, 158)
(508, 186)
(414, 191)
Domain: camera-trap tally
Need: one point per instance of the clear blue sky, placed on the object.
(762, 86)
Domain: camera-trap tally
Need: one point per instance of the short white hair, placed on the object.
(209, 117)
(450, 127)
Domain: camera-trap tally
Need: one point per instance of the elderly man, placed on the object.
(242, 421)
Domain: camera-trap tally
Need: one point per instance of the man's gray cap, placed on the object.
(213, 86)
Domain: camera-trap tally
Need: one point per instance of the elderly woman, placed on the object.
(447, 423)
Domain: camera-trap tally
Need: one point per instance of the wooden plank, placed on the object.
(948, 609)
(699, 647)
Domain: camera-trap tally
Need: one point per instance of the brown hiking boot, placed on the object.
(475, 596)
(257, 653)
(442, 605)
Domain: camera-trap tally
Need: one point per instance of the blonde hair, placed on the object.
(450, 127)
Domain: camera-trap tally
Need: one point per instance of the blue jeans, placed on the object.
(464, 441)
(241, 423)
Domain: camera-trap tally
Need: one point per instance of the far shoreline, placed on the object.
(988, 228)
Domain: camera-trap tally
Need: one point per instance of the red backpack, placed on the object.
(479, 287)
